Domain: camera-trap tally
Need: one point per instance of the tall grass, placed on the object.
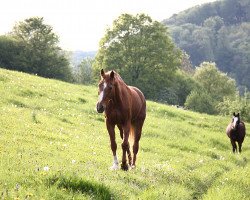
(53, 145)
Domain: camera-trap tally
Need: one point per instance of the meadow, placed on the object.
(54, 145)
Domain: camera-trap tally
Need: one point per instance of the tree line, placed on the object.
(217, 32)
(32, 47)
(141, 51)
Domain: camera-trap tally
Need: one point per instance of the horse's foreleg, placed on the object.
(111, 130)
(234, 146)
(128, 150)
(125, 146)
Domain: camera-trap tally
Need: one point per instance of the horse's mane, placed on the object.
(118, 77)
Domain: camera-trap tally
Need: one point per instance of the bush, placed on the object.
(200, 102)
(237, 104)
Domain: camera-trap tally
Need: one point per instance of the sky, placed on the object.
(80, 24)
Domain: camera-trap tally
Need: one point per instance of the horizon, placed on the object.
(78, 24)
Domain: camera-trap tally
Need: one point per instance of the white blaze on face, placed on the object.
(235, 121)
(102, 92)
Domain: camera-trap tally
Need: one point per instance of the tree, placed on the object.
(84, 71)
(217, 32)
(141, 50)
(214, 82)
(10, 50)
(200, 101)
(212, 87)
(41, 54)
(239, 104)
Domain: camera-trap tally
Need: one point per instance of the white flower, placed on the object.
(46, 168)
(73, 161)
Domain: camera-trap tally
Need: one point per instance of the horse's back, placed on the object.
(138, 103)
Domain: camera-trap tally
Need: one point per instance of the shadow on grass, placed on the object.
(75, 184)
(18, 104)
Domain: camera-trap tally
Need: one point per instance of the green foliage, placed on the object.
(214, 82)
(53, 145)
(200, 101)
(40, 53)
(212, 87)
(10, 52)
(84, 72)
(217, 32)
(140, 50)
(181, 86)
(237, 104)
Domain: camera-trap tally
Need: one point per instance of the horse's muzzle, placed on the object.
(99, 108)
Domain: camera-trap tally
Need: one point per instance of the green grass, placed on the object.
(53, 145)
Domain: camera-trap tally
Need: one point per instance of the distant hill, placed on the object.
(217, 32)
(77, 56)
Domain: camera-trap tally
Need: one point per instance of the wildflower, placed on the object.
(222, 158)
(17, 186)
(46, 168)
(73, 161)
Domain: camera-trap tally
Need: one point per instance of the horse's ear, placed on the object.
(238, 114)
(112, 75)
(234, 114)
(102, 73)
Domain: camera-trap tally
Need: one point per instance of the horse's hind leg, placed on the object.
(240, 145)
(120, 129)
(234, 146)
(137, 136)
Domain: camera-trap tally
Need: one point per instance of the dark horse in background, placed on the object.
(124, 106)
(236, 131)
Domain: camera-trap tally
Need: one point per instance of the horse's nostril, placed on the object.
(99, 108)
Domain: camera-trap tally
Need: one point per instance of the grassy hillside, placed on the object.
(53, 145)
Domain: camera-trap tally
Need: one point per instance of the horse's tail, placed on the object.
(131, 137)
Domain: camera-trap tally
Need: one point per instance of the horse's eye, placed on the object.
(110, 86)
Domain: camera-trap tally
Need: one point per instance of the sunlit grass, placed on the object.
(53, 145)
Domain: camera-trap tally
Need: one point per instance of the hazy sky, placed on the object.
(80, 24)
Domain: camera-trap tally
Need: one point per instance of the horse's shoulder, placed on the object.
(137, 91)
(241, 122)
(229, 127)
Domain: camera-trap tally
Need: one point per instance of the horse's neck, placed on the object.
(120, 92)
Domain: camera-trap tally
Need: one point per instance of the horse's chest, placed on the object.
(235, 135)
(116, 117)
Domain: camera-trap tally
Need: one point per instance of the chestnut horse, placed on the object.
(124, 106)
(236, 131)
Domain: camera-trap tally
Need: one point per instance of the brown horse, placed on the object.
(236, 131)
(124, 106)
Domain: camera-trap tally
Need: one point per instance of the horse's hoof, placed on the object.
(124, 167)
(132, 166)
(114, 167)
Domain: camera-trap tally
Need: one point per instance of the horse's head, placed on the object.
(235, 121)
(106, 89)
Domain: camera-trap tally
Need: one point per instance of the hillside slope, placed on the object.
(53, 145)
(217, 32)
